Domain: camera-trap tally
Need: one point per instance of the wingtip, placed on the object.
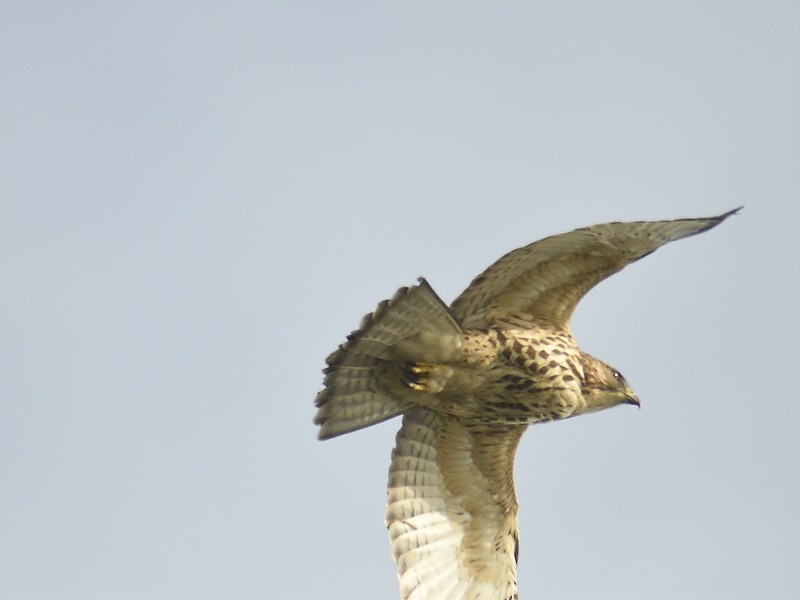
(735, 211)
(714, 221)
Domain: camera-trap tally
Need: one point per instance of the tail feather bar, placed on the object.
(363, 383)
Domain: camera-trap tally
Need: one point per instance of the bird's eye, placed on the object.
(617, 375)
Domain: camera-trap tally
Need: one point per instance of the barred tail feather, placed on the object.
(362, 381)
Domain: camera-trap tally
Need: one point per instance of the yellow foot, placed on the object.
(425, 377)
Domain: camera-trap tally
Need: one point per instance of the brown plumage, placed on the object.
(468, 380)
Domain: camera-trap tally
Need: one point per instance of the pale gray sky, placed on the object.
(198, 201)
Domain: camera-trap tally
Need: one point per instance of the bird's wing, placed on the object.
(452, 509)
(545, 280)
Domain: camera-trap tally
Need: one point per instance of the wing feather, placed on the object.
(544, 281)
(452, 509)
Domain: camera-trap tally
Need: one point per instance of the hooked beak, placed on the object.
(633, 399)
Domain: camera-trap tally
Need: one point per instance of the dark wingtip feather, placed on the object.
(735, 211)
(714, 221)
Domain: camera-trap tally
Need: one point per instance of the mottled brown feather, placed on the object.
(545, 280)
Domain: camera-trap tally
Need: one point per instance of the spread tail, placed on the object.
(364, 382)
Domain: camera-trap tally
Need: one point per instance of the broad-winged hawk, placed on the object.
(469, 379)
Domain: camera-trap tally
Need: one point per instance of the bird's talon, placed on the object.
(415, 376)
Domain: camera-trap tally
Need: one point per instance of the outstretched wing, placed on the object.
(452, 509)
(543, 281)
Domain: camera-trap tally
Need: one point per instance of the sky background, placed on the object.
(198, 201)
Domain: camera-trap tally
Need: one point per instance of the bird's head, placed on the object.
(604, 386)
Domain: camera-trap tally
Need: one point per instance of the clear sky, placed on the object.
(198, 201)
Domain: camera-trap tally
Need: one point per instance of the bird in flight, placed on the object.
(469, 379)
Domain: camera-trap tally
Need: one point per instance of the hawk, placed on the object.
(469, 379)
